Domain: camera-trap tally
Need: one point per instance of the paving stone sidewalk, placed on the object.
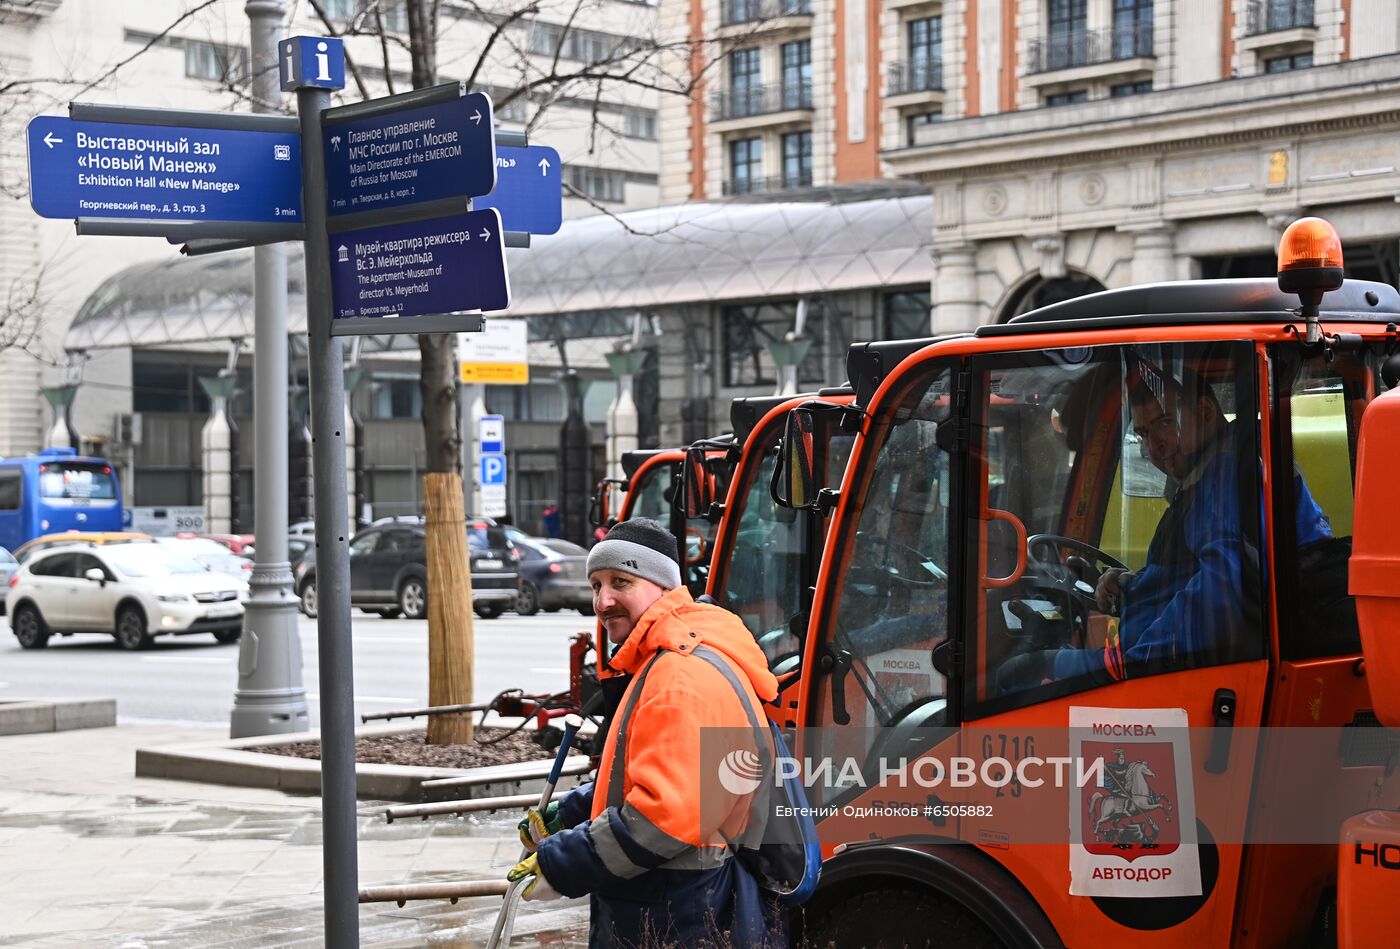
(91, 855)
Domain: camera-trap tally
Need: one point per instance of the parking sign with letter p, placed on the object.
(493, 468)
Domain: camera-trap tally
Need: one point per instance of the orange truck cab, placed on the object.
(650, 490)
(1095, 563)
(765, 555)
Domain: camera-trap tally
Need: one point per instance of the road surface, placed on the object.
(191, 679)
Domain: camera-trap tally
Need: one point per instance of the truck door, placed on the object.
(871, 693)
(1320, 686)
(1117, 597)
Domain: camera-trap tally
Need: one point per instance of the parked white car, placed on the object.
(131, 591)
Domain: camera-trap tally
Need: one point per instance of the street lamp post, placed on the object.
(270, 698)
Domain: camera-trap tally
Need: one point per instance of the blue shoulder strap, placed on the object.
(791, 787)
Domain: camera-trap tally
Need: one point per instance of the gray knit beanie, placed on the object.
(641, 547)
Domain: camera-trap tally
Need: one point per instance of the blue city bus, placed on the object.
(56, 490)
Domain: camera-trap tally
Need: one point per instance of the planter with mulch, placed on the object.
(392, 762)
(493, 746)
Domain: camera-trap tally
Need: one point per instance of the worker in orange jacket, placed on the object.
(652, 841)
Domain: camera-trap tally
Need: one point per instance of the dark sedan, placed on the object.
(389, 571)
(552, 574)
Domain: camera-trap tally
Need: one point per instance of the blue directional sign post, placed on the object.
(163, 173)
(420, 268)
(529, 189)
(411, 155)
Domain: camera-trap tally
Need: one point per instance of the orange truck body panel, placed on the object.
(1368, 864)
(1260, 895)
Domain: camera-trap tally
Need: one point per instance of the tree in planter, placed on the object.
(450, 621)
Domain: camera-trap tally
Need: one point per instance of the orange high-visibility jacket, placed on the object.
(655, 851)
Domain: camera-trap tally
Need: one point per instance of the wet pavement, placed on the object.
(91, 855)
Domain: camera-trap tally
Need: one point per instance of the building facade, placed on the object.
(1070, 145)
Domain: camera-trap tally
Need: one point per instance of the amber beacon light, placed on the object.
(1310, 264)
(1309, 257)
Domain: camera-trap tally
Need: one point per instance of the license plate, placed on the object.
(219, 611)
(488, 565)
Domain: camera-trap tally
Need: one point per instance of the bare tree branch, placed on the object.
(384, 48)
(23, 309)
(319, 9)
(497, 32)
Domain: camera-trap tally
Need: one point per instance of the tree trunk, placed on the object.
(450, 635)
(450, 638)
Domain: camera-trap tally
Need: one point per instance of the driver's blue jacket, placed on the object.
(1190, 597)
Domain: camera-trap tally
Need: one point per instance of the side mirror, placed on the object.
(600, 506)
(795, 478)
(595, 505)
(697, 491)
(95, 574)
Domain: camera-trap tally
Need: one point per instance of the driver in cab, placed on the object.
(1189, 599)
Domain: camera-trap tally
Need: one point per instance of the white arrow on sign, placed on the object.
(485, 234)
(49, 140)
(544, 166)
(476, 116)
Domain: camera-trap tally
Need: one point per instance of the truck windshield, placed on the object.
(763, 584)
(650, 497)
(768, 569)
(892, 606)
(74, 482)
(1133, 473)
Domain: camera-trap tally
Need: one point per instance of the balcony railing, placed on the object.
(1273, 16)
(915, 75)
(733, 12)
(773, 185)
(761, 100)
(1089, 47)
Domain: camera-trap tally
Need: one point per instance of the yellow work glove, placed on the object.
(538, 888)
(536, 826)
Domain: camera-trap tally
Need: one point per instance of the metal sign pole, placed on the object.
(332, 550)
(270, 697)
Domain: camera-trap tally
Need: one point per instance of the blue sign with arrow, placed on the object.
(408, 156)
(443, 265)
(155, 172)
(529, 189)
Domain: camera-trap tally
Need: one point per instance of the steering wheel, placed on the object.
(910, 571)
(1062, 582)
(1058, 574)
